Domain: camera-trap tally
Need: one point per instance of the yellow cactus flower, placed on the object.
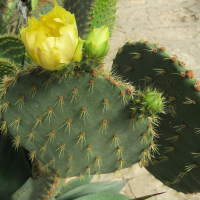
(53, 41)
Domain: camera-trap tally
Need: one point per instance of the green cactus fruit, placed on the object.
(97, 42)
(12, 48)
(154, 100)
(177, 165)
(92, 13)
(85, 119)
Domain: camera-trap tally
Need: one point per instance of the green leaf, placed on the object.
(14, 168)
(34, 4)
(148, 196)
(9, 11)
(104, 196)
(112, 187)
(75, 183)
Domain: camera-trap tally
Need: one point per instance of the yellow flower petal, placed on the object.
(78, 53)
(49, 59)
(53, 41)
(65, 47)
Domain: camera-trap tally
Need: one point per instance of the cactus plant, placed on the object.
(77, 120)
(144, 63)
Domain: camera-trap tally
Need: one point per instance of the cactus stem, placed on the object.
(69, 171)
(61, 149)
(74, 94)
(123, 96)
(190, 167)
(98, 161)
(117, 172)
(88, 170)
(116, 140)
(154, 134)
(49, 113)
(48, 82)
(30, 136)
(106, 105)
(91, 84)
(37, 121)
(43, 150)
(119, 152)
(3, 128)
(172, 98)
(181, 63)
(61, 78)
(128, 68)
(67, 124)
(143, 163)
(182, 174)
(160, 71)
(154, 147)
(103, 126)
(164, 159)
(155, 162)
(169, 149)
(16, 142)
(137, 55)
(14, 81)
(98, 175)
(15, 123)
(51, 136)
(174, 138)
(180, 127)
(59, 102)
(145, 155)
(143, 139)
(150, 49)
(189, 101)
(177, 180)
(167, 183)
(20, 102)
(32, 90)
(32, 155)
(4, 106)
(133, 121)
(81, 137)
(88, 151)
(121, 162)
(197, 131)
(52, 161)
(182, 74)
(69, 160)
(147, 79)
(84, 113)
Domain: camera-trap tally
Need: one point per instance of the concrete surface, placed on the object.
(175, 24)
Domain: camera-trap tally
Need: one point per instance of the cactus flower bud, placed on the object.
(97, 42)
(154, 100)
(53, 41)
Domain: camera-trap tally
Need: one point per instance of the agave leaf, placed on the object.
(111, 187)
(104, 196)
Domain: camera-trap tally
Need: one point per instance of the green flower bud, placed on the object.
(97, 42)
(154, 100)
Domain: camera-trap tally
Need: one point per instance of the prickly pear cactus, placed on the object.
(143, 63)
(78, 121)
(92, 14)
(86, 119)
(12, 48)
